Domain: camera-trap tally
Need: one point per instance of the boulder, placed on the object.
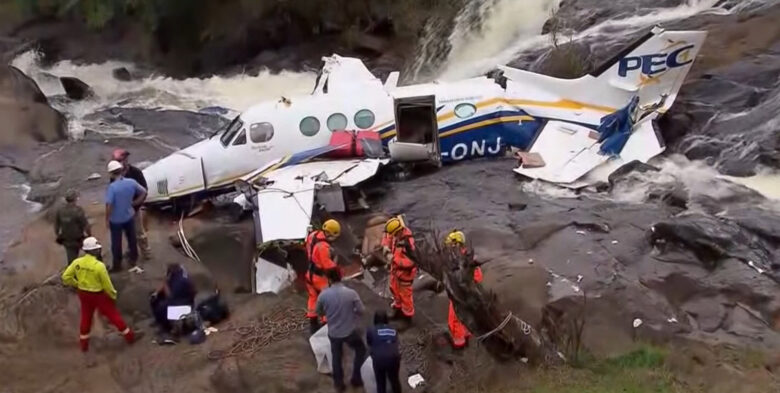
(174, 127)
(715, 240)
(75, 88)
(568, 60)
(27, 116)
(581, 14)
(633, 166)
(121, 74)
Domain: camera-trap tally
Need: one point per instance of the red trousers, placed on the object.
(91, 301)
(314, 285)
(458, 331)
(403, 298)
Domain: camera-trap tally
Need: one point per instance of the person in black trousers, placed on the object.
(383, 346)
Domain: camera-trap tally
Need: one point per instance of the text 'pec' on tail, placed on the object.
(655, 65)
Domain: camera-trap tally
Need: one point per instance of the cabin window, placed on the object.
(240, 139)
(310, 126)
(364, 118)
(465, 110)
(337, 121)
(261, 132)
(231, 131)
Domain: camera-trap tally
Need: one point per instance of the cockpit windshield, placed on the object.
(231, 131)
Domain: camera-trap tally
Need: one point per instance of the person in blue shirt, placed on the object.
(386, 357)
(123, 197)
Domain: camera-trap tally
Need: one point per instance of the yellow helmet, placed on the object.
(394, 225)
(331, 228)
(455, 237)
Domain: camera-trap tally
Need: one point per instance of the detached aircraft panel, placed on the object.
(286, 203)
(569, 151)
(285, 209)
(643, 144)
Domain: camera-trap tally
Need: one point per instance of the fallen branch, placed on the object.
(503, 334)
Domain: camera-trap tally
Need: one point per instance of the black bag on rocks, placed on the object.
(213, 309)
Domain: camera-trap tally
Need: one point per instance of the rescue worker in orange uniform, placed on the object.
(399, 247)
(460, 334)
(318, 250)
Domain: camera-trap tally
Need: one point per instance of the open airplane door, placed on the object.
(417, 130)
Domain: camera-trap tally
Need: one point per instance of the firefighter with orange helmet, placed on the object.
(458, 331)
(318, 251)
(399, 247)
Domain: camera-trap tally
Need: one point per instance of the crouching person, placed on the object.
(96, 292)
(177, 290)
(386, 357)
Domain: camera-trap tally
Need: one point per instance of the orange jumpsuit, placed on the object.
(458, 331)
(403, 270)
(320, 260)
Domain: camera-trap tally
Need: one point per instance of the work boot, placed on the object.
(314, 325)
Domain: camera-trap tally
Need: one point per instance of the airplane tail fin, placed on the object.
(655, 65)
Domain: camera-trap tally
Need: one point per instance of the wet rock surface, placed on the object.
(174, 127)
(27, 116)
(606, 251)
(75, 88)
(581, 14)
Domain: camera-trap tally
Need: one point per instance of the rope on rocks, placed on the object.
(524, 326)
(277, 326)
(185, 245)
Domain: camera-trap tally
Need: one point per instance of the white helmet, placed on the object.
(114, 166)
(90, 244)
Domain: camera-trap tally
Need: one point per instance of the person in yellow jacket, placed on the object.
(96, 292)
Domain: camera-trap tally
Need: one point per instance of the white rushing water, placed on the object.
(237, 92)
(514, 27)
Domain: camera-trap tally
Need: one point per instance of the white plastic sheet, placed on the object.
(367, 374)
(270, 277)
(320, 345)
(176, 312)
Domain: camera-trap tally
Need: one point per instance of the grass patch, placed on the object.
(640, 371)
(646, 357)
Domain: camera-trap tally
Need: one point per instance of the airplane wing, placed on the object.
(287, 194)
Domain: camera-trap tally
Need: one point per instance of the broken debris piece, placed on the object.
(415, 380)
(530, 160)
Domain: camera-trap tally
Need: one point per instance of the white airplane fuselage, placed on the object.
(475, 117)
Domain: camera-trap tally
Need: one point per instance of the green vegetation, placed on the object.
(564, 60)
(640, 371)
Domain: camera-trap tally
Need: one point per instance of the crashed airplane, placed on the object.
(569, 132)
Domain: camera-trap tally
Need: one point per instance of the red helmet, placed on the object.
(119, 154)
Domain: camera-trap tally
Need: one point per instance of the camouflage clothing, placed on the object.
(70, 225)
